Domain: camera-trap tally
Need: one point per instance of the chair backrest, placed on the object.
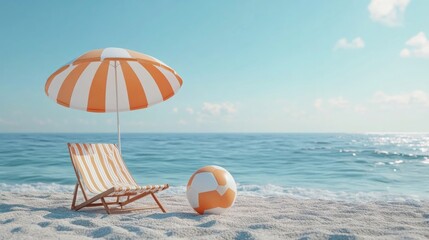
(100, 166)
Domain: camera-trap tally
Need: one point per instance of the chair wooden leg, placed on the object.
(157, 202)
(105, 205)
(130, 200)
(101, 197)
(95, 198)
(74, 196)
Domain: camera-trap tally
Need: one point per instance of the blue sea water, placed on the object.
(341, 166)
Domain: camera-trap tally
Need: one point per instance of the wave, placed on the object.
(270, 190)
(265, 191)
(36, 187)
(387, 154)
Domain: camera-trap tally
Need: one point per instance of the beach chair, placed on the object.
(100, 170)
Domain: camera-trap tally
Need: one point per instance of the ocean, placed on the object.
(303, 165)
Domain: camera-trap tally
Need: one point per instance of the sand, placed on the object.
(47, 216)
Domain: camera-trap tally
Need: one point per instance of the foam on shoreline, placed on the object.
(265, 191)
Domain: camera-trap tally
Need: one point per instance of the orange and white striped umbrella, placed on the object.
(112, 79)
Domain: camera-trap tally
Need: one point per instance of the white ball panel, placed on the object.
(202, 182)
(222, 189)
(230, 182)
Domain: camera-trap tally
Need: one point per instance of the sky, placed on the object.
(247, 66)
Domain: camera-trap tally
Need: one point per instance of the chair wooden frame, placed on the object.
(92, 202)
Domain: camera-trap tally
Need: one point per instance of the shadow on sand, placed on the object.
(54, 212)
(180, 215)
(66, 213)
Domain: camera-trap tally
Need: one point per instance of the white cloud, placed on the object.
(415, 97)
(217, 109)
(175, 110)
(190, 110)
(388, 12)
(343, 43)
(359, 108)
(379, 100)
(182, 122)
(318, 104)
(338, 102)
(405, 53)
(418, 46)
(214, 112)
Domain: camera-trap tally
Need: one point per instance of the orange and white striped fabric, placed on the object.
(100, 167)
(88, 82)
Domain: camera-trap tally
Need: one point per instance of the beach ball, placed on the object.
(211, 189)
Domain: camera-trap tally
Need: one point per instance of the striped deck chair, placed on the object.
(100, 170)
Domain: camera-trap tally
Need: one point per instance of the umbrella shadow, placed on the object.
(53, 213)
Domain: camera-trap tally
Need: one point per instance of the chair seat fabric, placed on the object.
(125, 189)
(101, 168)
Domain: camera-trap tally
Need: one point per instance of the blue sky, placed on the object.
(247, 66)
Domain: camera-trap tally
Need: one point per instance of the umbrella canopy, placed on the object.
(112, 80)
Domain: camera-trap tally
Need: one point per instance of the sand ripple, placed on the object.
(30, 216)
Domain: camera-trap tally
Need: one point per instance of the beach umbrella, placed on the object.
(112, 80)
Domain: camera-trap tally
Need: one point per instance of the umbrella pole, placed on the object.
(117, 110)
(119, 132)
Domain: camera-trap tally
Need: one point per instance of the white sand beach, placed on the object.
(47, 216)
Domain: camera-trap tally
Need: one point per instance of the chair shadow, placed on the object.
(65, 213)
